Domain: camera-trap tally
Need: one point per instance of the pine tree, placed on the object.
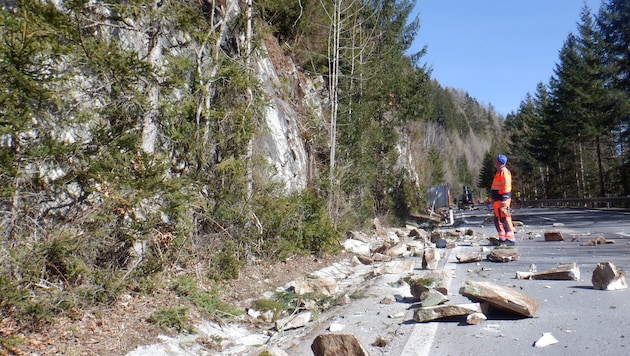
(614, 25)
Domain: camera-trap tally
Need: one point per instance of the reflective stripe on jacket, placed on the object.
(502, 184)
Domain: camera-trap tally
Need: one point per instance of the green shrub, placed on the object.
(186, 287)
(295, 224)
(225, 264)
(175, 318)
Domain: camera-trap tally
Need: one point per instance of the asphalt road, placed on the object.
(585, 321)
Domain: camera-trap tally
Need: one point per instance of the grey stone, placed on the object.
(607, 276)
(337, 345)
(501, 297)
(424, 314)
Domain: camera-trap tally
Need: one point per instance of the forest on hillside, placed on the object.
(570, 138)
(122, 158)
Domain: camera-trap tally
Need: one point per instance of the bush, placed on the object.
(186, 287)
(295, 224)
(176, 318)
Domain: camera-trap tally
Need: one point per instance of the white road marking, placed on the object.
(422, 335)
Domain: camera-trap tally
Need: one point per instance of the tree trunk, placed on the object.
(333, 57)
(602, 189)
(149, 125)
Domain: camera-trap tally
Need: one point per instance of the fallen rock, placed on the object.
(388, 300)
(564, 272)
(376, 225)
(379, 257)
(430, 258)
(436, 235)
(599, 240)
(358, 235)
(545, 340)
(424, 314)
(416, 248)
(468, 257)
(294, 321)
(365, 260)
(380, 342)
(395, 267)
(432, 298)
(607, 276)
(476, 318)
(357, 247)
(503, 254)
(398, 250)
(420, 285)
(420, 234)
(335, 327)
(325, 285)
(553, 236)
(500, 297)
(337, 345)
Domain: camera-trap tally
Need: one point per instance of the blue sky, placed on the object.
(496, 50)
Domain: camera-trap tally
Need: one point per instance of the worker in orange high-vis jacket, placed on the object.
(501, 193)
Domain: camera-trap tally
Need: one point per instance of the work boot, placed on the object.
(509, 243)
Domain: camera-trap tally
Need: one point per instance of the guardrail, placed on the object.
(598, 202)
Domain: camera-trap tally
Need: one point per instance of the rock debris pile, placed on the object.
(385, 255)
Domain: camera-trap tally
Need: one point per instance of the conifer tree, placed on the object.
(614, 24)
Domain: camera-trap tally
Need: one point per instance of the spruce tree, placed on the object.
(614, 25)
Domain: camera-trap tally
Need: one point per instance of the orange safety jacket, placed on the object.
(501, 189)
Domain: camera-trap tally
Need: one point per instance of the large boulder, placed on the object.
(500, 297)
(337, 345)
(607, 276)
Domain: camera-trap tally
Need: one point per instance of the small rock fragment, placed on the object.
(545, 340)
(476, 318)
(553, 236)
(388, 300)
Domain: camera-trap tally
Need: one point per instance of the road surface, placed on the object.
(585, 321)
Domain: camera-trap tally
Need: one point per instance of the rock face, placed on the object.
(337, 345)
(500, 297)
(607, 276)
